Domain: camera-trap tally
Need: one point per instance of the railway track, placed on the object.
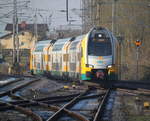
(9, 81)
(96, 117)
(88, 105)
(72, 107)
(131, 85)
(101, 107)
(12, 87)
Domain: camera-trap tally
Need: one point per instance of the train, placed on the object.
(88, 57)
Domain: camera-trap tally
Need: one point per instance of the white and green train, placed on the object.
(85, 57)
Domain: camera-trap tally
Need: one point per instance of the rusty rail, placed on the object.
(25, 111)
(101, 107)
(4, 93)
(60, 112)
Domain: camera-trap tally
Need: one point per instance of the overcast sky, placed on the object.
(54, 6)
(45, 9)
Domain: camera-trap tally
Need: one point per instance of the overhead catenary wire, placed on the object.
(12, 3)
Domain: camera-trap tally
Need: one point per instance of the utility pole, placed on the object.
(67, 10)
(0, 49)
(35, 26)
(81, 7)
(17, 40)
(14, 29)
(82, 15)
(113, 15)
(138, 44)
(99, 10)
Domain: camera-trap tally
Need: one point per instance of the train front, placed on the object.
(101, 47)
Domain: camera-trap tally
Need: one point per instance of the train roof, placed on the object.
(78, 38)
(61, 42)
(41, 44)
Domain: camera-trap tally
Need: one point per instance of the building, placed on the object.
(26, 34)
(27, 38)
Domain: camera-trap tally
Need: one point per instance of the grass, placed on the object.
(138, 118)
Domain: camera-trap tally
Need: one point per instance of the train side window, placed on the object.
(49, 57)
(65, 57)
(44, 57)
(34, 64)
(81, 52)
(79, 56)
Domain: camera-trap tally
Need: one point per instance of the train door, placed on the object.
(65, 63)
(50, 59)
(42, 62)
(79, 53)
(44, 59)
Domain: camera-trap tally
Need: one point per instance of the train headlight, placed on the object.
(90, 65)
(109, 66)
(111, 69)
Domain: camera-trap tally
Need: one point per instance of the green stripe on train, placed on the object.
(56, 73)
(38, 72)
(83, 77)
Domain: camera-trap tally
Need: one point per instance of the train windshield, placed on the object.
(99, 45)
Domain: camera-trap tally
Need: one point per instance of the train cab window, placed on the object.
(99, 45)
(100, 37)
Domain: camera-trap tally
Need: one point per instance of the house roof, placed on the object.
(28, 27)
(5, 35)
